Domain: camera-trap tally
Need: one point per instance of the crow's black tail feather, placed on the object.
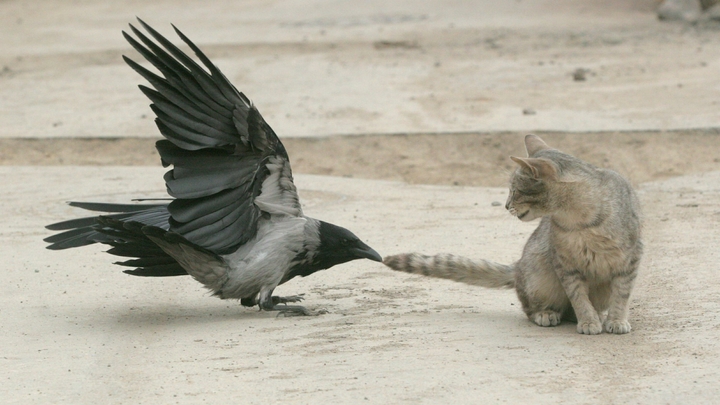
(121, 230)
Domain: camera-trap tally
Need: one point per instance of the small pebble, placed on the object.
(579, 74)
(496, 203)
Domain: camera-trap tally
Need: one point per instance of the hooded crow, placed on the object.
(234, 222)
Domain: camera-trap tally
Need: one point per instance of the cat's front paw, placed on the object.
(589, 328)
(617, 327)
(546, 318)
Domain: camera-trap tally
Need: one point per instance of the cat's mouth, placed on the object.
(523, 215)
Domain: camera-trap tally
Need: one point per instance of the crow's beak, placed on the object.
(366, 252)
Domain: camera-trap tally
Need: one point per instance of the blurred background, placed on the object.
(470, 71)
(326, 67)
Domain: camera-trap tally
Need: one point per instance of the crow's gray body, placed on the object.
(234, 223)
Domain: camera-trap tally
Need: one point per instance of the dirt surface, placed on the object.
(74, 329)
(328, 67)
(449, 159)
(430, 97)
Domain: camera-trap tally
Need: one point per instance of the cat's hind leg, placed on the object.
(547, 318)
(542, 296)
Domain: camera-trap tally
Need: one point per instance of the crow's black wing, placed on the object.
(228, 165)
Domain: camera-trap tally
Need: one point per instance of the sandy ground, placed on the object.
(470, 159)
(76, 330)
(323, 67)
(432, 94)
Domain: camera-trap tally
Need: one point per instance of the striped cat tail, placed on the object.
(457, 268)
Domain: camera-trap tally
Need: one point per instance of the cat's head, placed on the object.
(534, 182)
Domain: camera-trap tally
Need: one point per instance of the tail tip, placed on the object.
(394, 261)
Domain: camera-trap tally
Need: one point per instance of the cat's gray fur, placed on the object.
(580, 263)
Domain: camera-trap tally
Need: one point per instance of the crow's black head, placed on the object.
(337, 245)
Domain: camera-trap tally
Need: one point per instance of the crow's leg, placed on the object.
(268, 302)
(252, 301)
(284, 300)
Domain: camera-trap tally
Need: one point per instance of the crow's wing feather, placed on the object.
(204, 265)
(228, 166)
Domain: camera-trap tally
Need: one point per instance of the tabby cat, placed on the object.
(580, 263)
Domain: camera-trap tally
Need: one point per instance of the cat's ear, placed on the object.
(541, 169)
(534, 144)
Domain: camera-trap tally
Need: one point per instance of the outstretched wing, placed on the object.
(229, 167)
